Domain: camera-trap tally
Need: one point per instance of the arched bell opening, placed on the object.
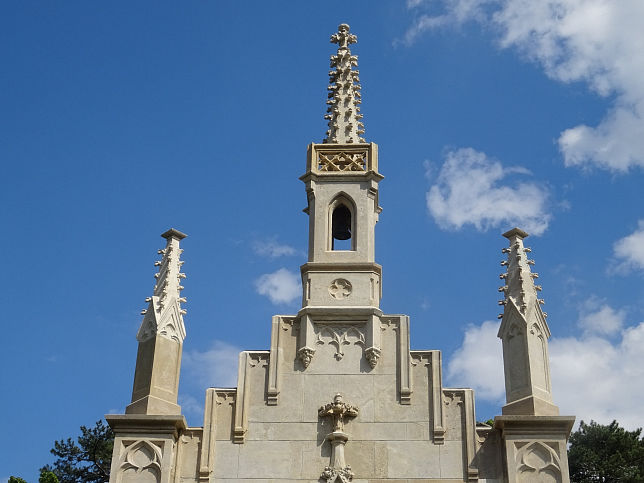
(341, 226)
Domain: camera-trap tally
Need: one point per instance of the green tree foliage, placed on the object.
(47, 477)
(86, 462)
(15, 479)
(605, 453)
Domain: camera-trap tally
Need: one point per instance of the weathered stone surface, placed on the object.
(339, 396)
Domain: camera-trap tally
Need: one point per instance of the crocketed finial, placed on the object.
(164, 315)
(344, 100)
(519, 279)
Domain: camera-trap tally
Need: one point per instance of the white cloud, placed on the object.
(600, 319)
(272, 248)
(592, 377)
(216, 367)
(281, 286)
(468, 191)
(630, 250)
(478, 363)
(600, 42)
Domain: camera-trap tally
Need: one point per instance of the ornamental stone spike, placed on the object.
(519, 279)
(343, 112)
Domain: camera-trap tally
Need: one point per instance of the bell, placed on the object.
(341, 228)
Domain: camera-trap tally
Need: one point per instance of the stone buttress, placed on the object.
(339, 396)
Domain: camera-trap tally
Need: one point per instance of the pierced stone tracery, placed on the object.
(342, 161)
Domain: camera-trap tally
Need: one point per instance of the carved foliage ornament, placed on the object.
(331, 475)
(338, 411)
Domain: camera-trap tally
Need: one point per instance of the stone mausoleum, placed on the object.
(339, 396)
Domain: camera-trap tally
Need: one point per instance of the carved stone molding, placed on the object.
(225, 398)
(452, 398)
(386, 324)
(281, 328)
(339, 336)
(248, 361)
(258, 360)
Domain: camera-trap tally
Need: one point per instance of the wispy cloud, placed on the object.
(215, 367)
(281, 286)
(190, 405)
(593, 41)
(587, 371)
(468, 190)
(272, 248)
(598, 318)
(629, 251)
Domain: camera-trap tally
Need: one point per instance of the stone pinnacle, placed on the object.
(519, 279)
(343, 112)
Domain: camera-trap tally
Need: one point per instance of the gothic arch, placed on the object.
(341, 201)
(141, 462)
(537, 462)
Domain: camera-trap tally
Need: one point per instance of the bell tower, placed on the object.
(342, 189)
(341, 278)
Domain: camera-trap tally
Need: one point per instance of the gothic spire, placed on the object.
(344, 101)
(164, 315)
(519, 284)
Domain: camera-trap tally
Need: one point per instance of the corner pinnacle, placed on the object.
(519, 283)
(164, 314)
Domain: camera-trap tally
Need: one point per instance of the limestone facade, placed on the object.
(339, 395)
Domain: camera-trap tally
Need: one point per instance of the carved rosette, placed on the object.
(340, 288)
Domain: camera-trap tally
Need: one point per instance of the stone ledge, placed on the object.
(528, 425)
(146, 423)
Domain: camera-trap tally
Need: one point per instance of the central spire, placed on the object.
(344, 101)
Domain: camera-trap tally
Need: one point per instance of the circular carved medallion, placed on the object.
(340, 288)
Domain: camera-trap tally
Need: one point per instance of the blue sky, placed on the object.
(122, 120)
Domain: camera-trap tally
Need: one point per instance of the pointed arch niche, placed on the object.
(341, 230)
